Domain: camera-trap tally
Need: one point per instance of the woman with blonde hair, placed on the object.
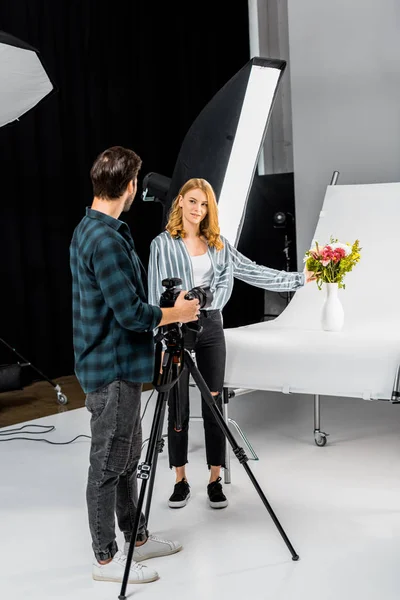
(193, 249)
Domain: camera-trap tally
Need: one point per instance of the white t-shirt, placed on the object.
(202, 270)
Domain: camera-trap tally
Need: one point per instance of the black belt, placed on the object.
(207, 313)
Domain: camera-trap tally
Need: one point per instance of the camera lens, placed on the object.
(203, 295)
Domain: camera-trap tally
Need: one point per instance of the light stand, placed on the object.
(281, 222)
(13, 372)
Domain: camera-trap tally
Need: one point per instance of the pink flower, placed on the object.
(340, 253)
(327, 253)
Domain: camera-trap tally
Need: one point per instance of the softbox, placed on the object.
(24, 81)
(224, 142)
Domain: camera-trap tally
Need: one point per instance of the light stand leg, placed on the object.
(227, 471)
(61, 398)
(239, 452)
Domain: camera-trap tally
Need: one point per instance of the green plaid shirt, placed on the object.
(112, 321)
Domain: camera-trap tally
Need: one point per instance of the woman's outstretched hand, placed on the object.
(309, 275)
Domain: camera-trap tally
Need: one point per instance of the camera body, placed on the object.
(168, 298)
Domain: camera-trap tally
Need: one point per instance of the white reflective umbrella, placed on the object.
(24, 81)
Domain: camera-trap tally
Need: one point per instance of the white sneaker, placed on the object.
(115, 569)
(153, 547)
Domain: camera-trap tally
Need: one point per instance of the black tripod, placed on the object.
(175, 357)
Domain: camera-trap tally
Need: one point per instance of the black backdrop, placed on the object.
(263, 242)
(117, 66)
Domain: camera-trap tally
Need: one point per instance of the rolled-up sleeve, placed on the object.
(117, 278)
(263, 277)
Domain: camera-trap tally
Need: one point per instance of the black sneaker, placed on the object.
(180, 495)
(216, 496)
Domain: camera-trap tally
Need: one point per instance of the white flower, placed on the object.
(313, 249)
(345, 247)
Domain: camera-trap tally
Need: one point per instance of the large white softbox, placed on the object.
(24, 81)
(224, 142)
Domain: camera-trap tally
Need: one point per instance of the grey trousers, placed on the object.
(114, 455)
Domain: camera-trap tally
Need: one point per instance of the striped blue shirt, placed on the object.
(112, 321)
(169, 257)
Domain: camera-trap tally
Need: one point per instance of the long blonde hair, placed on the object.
(209, 226)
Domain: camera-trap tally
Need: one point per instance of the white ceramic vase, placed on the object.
(332, 317)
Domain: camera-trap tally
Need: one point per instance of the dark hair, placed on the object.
(112, 170)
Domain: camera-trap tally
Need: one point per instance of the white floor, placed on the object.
(339, 506)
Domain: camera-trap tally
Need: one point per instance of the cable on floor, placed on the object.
(46, 429)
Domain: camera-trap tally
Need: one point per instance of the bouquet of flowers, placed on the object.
(331, 262)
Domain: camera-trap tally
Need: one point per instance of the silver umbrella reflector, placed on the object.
(24, 81)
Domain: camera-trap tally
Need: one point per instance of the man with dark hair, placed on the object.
(114, 355)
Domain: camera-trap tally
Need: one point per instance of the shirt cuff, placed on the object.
(157, 316)
(302, 279)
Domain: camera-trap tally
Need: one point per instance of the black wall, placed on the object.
(117, 66)
(263, 241)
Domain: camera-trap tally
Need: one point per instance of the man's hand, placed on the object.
(188, 309)
(183, 311)
(309, 275)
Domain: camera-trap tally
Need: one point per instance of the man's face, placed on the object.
(131, 195)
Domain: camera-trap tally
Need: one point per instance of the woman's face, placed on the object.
(194, 206)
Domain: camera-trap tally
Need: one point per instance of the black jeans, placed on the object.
(114, 455)
(209, 346)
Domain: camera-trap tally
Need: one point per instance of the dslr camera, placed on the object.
(168, 298)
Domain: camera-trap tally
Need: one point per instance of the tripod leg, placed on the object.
(173, 375)
(144, 472)
(158, 449)
(177, 406)
(239, 452)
